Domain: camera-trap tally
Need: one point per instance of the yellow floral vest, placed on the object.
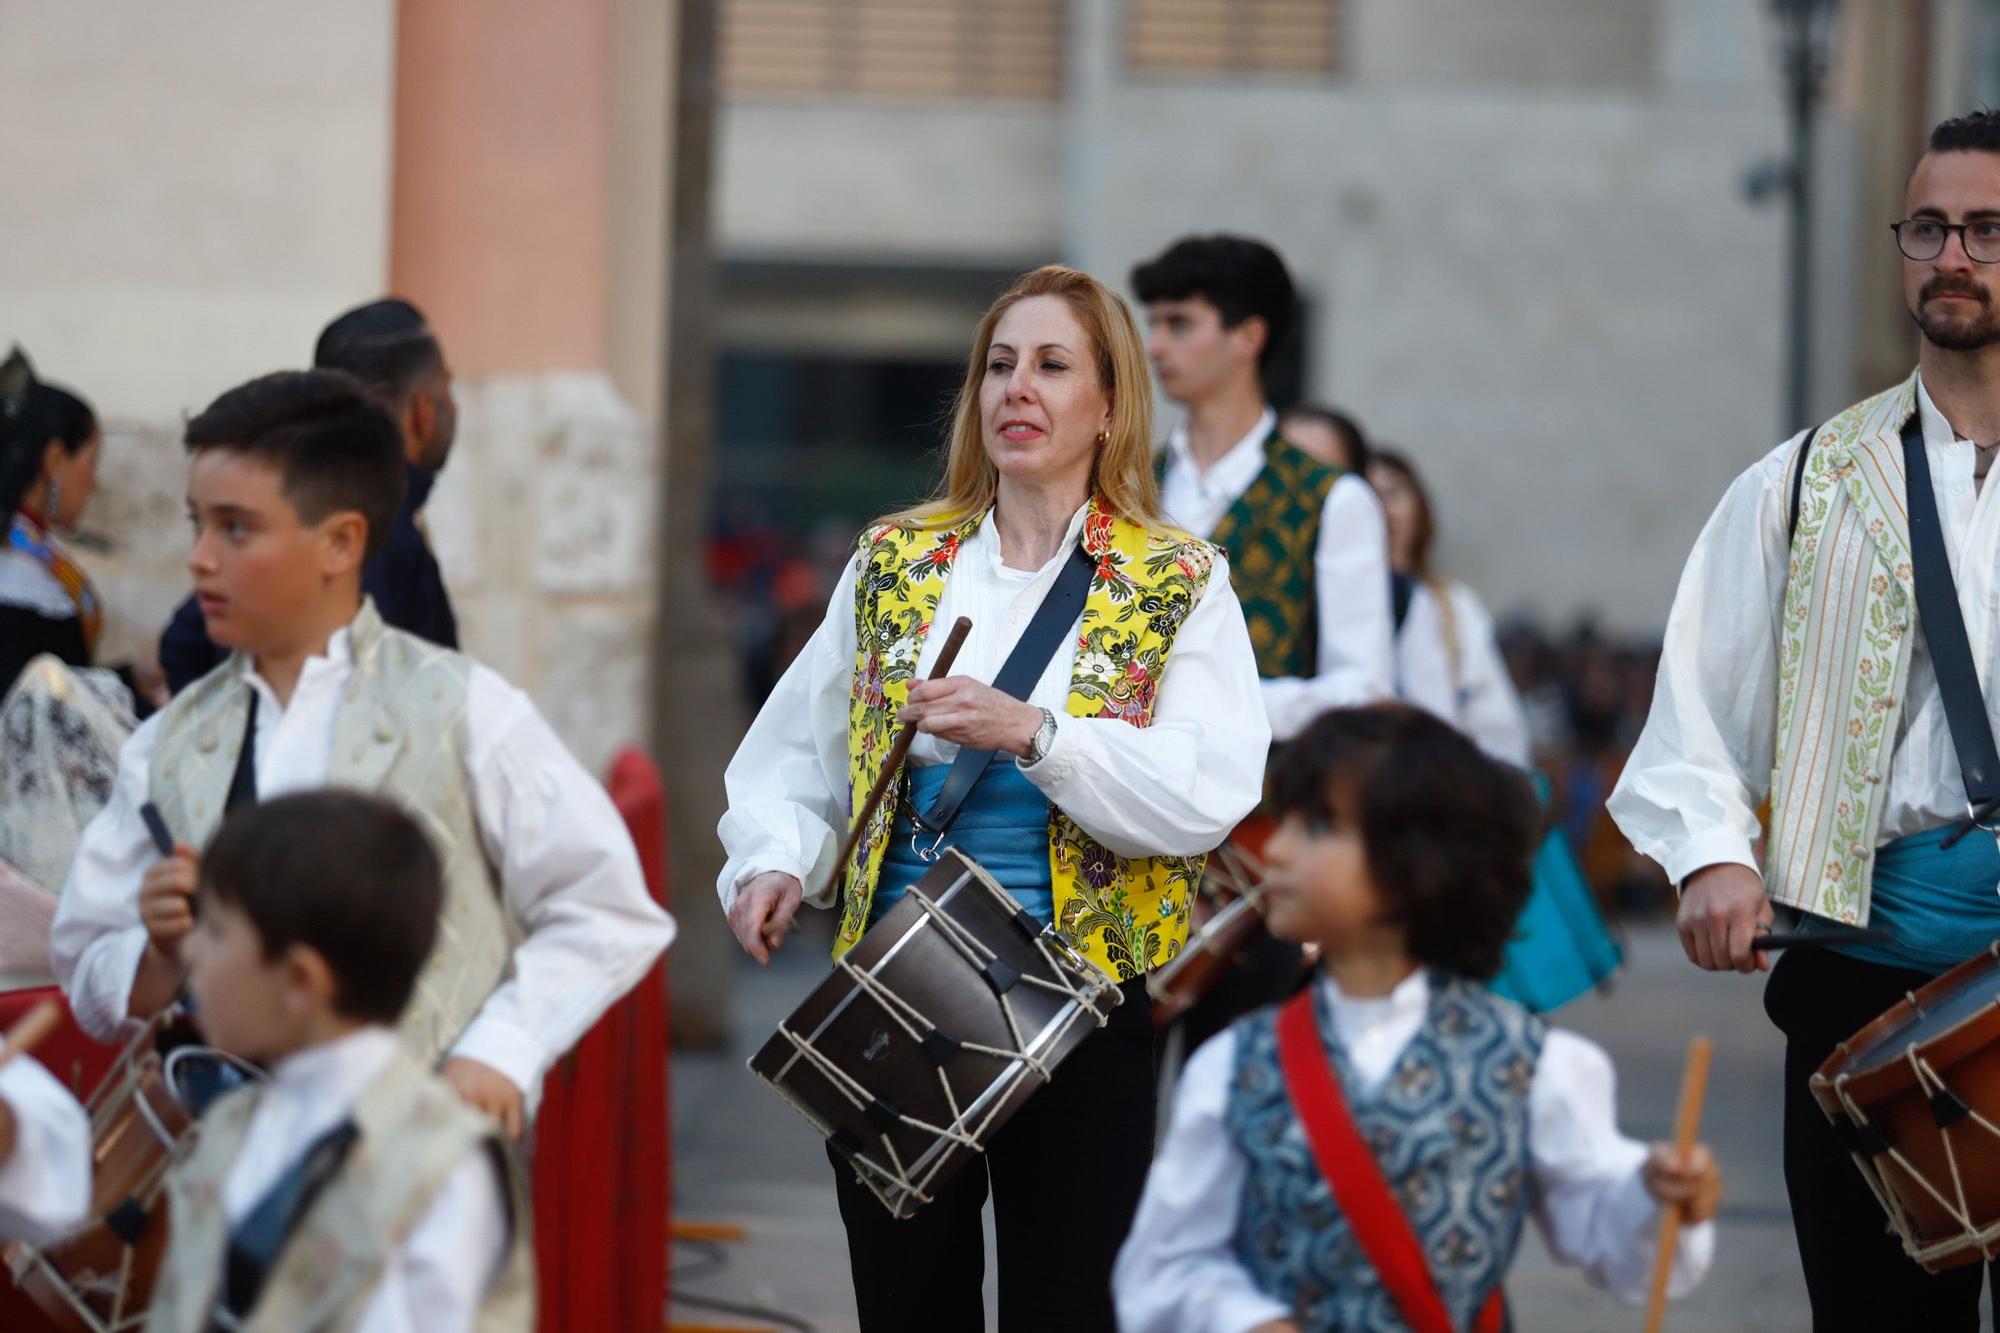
(1127, 916)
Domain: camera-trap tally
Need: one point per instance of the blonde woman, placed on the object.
(1138, 748)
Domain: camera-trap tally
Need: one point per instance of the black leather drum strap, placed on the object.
(1944, 631)
(1023, 667)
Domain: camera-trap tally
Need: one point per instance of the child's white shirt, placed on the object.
(434, 1280)
(45, 1182)
(1179, 1273)
(568, 873)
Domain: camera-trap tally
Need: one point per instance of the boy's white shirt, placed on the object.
(1179, 1272)
(434, 1280)
(45, 1182)
(569, 876)
(1356, 651)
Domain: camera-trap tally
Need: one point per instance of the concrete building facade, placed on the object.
(1523, 232)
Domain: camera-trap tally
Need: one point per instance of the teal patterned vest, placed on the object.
(1270, 535)
(1449, 1127)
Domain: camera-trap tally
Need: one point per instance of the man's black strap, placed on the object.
(1944, 631)
(1024, 666)
(243, 782)
(1799, 479)
(259, 1239)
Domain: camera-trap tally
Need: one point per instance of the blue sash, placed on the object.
(1938, 906)
(1003, 825)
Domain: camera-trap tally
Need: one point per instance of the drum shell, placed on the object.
(1966, 1056)
(129, 1162)
(912, 957)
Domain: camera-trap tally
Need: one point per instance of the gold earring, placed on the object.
(1103, 438)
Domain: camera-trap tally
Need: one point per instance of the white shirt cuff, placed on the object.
(502, 1044)
(1715, 847)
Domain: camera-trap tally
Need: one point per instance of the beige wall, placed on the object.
(190, 188)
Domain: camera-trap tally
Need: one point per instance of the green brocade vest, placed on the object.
(1271, 534)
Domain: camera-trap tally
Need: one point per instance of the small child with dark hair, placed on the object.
(354, 1190)
(1443, 1114)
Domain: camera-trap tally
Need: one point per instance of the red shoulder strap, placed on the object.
(1354, 1176)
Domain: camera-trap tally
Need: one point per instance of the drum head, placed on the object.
(198, 1075)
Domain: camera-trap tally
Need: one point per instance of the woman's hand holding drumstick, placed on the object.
(765, 907)
(24, 1036)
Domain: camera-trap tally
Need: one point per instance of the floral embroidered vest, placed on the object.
(415, 1132)
(1844, 660)
(1128, 916)
(1449, 1129)
(1271, 534)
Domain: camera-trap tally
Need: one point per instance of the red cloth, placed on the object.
(1355, 1177)
(601, 1162)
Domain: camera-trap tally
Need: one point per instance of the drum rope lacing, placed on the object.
(1931, 1083)
(896, 1176)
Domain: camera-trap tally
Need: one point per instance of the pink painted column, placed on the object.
(502, 144)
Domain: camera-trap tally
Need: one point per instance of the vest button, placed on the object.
(384, 735)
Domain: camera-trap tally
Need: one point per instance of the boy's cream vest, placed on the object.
(1844, 662)
(414, 1133)
(399, 732)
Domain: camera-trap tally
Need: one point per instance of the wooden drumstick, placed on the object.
(32, 1027)
(1694, 1086)
(897, 753)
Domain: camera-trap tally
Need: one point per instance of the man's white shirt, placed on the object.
(1356, 654)
(1691, 789)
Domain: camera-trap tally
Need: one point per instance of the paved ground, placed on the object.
(742, 1156)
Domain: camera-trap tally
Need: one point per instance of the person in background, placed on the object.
(64, 718)
(1328, 434)
(1308, 546)
(387, 346)
(49, 446)
(1483, 702)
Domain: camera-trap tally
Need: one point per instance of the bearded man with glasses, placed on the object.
(1803, 662)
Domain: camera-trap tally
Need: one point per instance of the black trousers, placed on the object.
(1066, 1173)
(1856, 1272)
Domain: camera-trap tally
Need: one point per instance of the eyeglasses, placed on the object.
(1922, 239)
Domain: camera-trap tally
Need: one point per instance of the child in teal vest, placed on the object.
(1403, 855)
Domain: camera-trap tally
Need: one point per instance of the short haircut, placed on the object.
(1449, 833)
(1341, 424)
(386, 344)
(333, 443)
(1238, 276)
(1973, 132)
(348, 875)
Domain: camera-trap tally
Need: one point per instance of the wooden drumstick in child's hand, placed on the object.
(1694, 1087)
(29, 1031)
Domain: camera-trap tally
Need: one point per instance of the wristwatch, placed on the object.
(1044, 737)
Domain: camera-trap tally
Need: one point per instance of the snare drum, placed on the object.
(100, 1279)
(932, 1031)
(1916, 1097)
